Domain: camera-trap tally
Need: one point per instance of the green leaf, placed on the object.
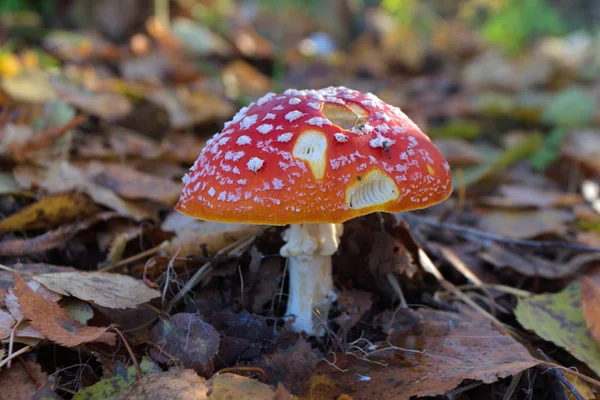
(520, 21)
(572, 107)
(109, 389)
(559, 319)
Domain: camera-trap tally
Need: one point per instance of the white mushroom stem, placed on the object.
(309, 249)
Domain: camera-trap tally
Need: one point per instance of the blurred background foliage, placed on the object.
(478, 71)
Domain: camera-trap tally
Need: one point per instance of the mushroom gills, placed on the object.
(374, 189)
(311, 146)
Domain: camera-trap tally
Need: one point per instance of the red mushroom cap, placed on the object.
(315, 156)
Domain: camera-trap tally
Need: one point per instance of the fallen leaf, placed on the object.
(232, 386)
(434, 352)
(196, 39)
(49, 240)
(50, 211)
(6, 280)
(590, 304)
(105, 289)
(188, 338)
(571, 107)
(292, 366)
(492, 69)
(7, 322)
(521, 196)
(194, 234)
(534, 266)
(174, 385)
(526, 224)
(106, 105)
(187, 109)
(119, 143)
(583, 147)
(53, 322)
(8, 184)
(63, 177)
(459, 153)
(559, 318)
(132, 184)
(78, 310)
(242, 79)
(111, 388)
(353, 304)
(19, 381)
(31, 87)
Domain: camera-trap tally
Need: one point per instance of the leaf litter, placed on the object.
(462, 299)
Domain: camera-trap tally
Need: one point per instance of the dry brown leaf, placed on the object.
(435, 352)
(583, 147)
(105, 289)
(106, 105)
(119, 143)
(132, 184)
(533, 266)
(187, 109)
(6, 324)
(6, 281)
(194, 234)
(63, 177)
(521, 196)
(52, 321)
(459, 152)
(292, 366)
(175, 385)
(590, 302)
(18, 382)
(49, 240)
(50, 211)
(526, 224)
(242, 79)
(187, 337)
(232, 386)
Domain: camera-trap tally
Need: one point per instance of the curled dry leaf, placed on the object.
(530, 265)
(193, 234)
(590, 303)
(187, 337)
(106, 105)
(49, 240)
(105, 289)
(187, 109)
(53, 322)
(232, 386)
(110, 388)
(20, 381)
(132, 184)
(522, 196)
(558, 317)
(62, 177)
(6, 324)
(459, 153)
(50, 211)
(429, 353)
(526, 224)
(176, 385)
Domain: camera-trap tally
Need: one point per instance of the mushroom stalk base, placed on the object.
(309, 248)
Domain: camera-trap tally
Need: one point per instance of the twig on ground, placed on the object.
(14, 355)
(562, 378)
(132, 355)
(237, 247)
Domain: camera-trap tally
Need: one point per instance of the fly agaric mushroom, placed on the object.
(313, 159)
